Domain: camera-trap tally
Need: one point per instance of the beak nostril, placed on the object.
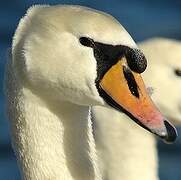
(133, 87)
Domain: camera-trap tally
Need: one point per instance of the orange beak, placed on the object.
(125, 90)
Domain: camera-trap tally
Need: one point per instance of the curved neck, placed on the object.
(53, 142)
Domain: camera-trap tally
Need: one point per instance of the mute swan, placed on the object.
(125, 150)
(65, 59)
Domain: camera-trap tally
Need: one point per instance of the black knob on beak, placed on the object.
(136, 60)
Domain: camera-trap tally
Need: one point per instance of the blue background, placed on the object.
(142, 18)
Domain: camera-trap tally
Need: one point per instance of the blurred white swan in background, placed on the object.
(125, 150)
(65, 59)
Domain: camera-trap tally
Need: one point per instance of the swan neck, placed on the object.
(53, 141)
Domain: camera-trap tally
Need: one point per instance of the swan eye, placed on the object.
(177, 72)
(85, 41)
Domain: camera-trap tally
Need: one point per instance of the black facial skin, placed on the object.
(85, 41)
(177, 72)
(107, 55)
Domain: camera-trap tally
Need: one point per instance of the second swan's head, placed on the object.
(80, 55)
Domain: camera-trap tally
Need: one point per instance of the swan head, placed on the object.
(83, 56)
(165, 66)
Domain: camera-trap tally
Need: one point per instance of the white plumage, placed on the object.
(50, 84)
